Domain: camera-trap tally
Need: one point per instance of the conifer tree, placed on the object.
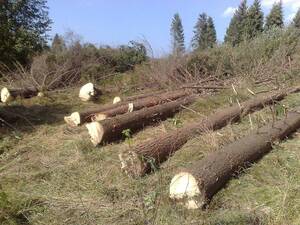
(296, 20)
(199, 40)
(204, 33)
(177, 35)
(275, 18)
(235, 33)
(255, 20)
(231, 36)
(211, 33)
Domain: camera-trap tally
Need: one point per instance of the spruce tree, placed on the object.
(204, 33)
(255, 20)
(235, 33)
(199, 40)
(211, 33)
(177, 35)
(296, 20)
(275, 18)
(232, 34)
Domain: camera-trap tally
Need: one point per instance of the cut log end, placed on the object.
(116, 100)
(184, 188)
(131, 164)
(73, 120)
(96, 132)
(87, 92)
(5, 95)
(98, 117)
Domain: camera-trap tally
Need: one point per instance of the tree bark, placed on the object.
(10, 94)
(147, 156)
(139, 104)
(210, 174)
(111, 129)
(110, 110)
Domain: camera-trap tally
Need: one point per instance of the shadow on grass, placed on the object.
(21, 118)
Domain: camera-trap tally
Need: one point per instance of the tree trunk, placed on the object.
(109, 110)
(139, 104)
(142, 158)
(9, 94)
(210, 174)
(111, 129)
(135, 97)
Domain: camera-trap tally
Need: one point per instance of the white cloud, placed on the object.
(291, 7)
(290, 17)
(292, 4)
(229, 11)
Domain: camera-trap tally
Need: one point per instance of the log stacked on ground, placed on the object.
(141, 159)
(197, 185)
(101, 113)
(8, 95)
(111, 129)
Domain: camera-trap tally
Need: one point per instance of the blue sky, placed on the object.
(116, 22)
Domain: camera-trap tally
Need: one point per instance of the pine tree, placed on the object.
(235, 33)
(255, 20)
(211, 32)
(296, 20)
(275, 18)
(177, 35)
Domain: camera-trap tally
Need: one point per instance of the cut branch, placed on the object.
(147, 156)
(111, 129)
(197, 185)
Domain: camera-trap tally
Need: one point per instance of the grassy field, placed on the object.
(51, 174)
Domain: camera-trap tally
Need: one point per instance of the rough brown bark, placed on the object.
(212, 173)
(141, 103)
(142, 158)
(109, 110)
(111, 128)
(9, 94)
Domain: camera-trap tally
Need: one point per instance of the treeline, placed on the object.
(24, 42)
(246, 23)
(95, 62)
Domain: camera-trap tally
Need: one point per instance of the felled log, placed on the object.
(135, 97)
(206, 87)
(142, 158)
(103, 112)
(139, 104)
(8, 95)
(88, 92)
(111, 128)
(197, 185)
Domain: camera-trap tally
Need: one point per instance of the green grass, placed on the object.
(51, 174)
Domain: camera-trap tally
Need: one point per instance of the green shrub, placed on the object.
(265, 55)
